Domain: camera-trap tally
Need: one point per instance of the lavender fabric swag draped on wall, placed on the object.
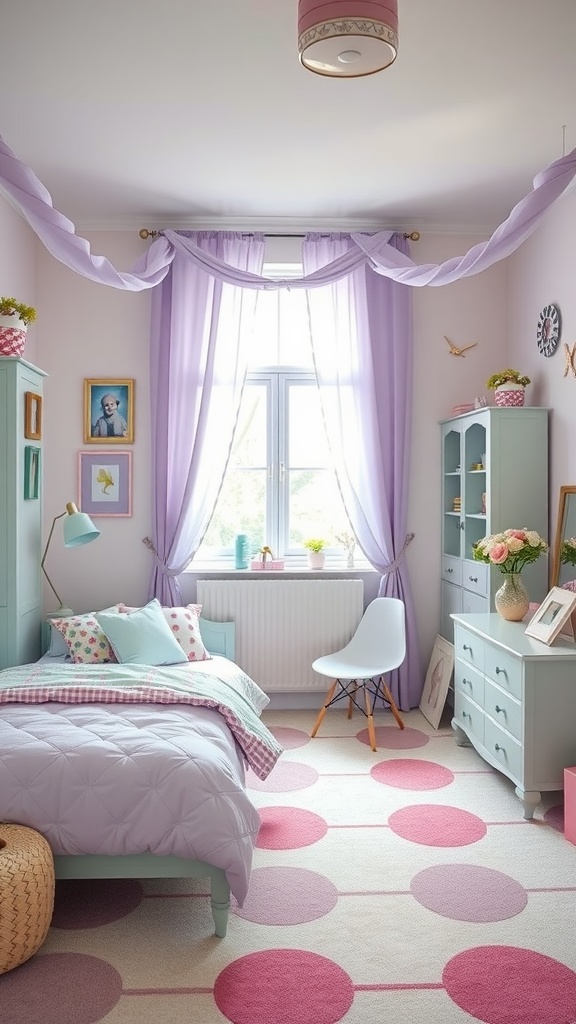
(205, 280)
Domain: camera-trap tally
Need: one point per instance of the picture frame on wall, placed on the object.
(105, 483)
(109, 410)
(553, 617)
(437, 681)
(31, 472)
(32, 416)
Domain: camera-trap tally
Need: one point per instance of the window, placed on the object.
(280, 487)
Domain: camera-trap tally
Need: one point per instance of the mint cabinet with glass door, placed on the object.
(494, 477)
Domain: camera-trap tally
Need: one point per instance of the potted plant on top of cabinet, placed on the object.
(14, 320)
(509, 387)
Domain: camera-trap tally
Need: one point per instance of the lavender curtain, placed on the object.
(200, 332)
(361, 328)
(57, 233)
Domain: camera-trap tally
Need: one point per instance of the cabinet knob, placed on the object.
(465, 647)
(467, 682)
(465, 714)
(473, 579)
(500, 670)
(449, 570)
(503, 710)
(460, 526)
(498, 747)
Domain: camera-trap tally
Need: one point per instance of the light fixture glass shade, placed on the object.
(347, 38)
(78, 528)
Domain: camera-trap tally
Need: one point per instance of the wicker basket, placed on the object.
(26, 893)
(12, 336)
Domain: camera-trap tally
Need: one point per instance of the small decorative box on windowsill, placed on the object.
(268, 564)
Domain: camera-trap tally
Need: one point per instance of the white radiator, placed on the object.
(283, 625)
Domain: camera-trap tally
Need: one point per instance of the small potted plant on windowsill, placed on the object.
(509, 387)
(316, 556)
(14, 320)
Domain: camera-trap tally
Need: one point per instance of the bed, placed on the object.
(138, 771)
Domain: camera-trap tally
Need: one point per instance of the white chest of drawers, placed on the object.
(515, 702)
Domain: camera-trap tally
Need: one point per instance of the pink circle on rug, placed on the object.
(281, 986)
(284, 896)
(285, 777)
(289, 828)
(393, 738)
(468, 892)
(289, 738)
(411, 773)
(555, 817)
(437, 825)
(501, 984)
(91, 903)
(58, 987)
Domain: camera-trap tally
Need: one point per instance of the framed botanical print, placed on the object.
(109, 410)
(105, 483)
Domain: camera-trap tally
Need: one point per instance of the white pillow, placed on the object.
(143, 637)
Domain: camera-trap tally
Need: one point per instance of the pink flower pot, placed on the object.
(509, 395)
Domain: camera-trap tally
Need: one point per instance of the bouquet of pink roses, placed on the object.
(510, 550)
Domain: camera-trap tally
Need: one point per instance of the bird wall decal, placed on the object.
(456, 351)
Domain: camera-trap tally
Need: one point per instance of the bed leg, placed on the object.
(220, 903)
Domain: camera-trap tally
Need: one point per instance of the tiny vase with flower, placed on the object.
(510, 551)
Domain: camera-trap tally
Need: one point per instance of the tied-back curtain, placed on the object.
(200, 332)
(361, 327)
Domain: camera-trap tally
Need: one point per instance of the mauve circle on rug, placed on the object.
(394, 738)
(411, 773)
(283, 986)
(285, 777)
(437, 825)
(288, 737)
(468, 892)
(289, 828)
(94, 902)
(287, 896)
(46, 990)
(500, 984)
(555, 817)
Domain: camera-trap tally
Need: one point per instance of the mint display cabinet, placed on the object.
(494, 477)
(20, 513)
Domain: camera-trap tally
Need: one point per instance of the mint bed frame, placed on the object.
(218, 638)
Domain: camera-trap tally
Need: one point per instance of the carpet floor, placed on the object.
(398, 886)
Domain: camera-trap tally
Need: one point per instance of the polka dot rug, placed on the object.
(402, 885)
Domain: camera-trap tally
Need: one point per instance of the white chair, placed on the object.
(377, 647)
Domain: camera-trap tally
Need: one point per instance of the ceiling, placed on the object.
(183, 113)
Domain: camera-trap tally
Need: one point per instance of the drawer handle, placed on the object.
(460, 526)
(449, 570)
(473, 579)
(465, 647)
(503, 710)
(467, 682)
(465, 714)
(501, 670)
(498, 747)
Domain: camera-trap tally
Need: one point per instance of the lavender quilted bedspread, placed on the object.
(128, 776)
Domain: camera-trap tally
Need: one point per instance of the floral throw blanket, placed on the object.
(144, 684)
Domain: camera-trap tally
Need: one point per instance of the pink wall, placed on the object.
(87, 330)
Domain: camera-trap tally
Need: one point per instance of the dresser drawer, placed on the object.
(475, 576)
(503, 709)
(503, 669)
(469, 648)
(471, 717)
(469, 681)
(506, 751)
(474, 602)
(452, 569)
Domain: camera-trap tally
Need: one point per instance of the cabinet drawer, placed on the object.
(469, 681)
(452, 569)
(504, 670)
(503, 709)
(475, 576)
(469, 716)
(469, 648)
(474, 602)
(505, 751)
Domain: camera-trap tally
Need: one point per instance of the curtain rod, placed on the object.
(413, 236)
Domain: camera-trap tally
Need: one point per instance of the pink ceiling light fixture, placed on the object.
(347, 38)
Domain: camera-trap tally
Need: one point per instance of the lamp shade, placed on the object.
(78, 528)
(347, 38)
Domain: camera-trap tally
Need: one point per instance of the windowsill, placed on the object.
(221, 569)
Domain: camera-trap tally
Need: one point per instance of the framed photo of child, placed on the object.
(109, 411)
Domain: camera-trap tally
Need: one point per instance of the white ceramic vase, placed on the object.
(316, 559)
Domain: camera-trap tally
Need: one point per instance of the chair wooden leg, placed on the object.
(393, 708)
(370, 717)
(350, 701)
(324, 709)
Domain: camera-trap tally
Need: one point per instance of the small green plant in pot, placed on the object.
(14, 319)
(17, 311)
(316, 557)
(508, 386)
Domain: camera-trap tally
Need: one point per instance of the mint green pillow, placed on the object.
(142, 637)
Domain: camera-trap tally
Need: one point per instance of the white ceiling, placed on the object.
(140, 113)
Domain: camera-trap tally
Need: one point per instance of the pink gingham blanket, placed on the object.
(40, 682)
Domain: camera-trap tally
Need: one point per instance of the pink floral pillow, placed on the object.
(186, 628)
(84, 638)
